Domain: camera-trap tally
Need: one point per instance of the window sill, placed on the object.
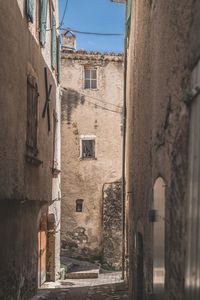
(88, 158)
(93, 90)
(32, 160)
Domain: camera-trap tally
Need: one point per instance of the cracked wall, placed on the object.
(163, 46)
(95, 113)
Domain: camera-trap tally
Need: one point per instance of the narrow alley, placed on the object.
(100, 149)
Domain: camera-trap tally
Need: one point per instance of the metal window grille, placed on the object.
(90, 80)
(32, 114)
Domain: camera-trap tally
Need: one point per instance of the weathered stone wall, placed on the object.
(18, 253)
(96, 113)
(162, 45)
(26, 189)
(112, 224)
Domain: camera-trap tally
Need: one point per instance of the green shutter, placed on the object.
(53, 43)
(43, 21)
(128, 14)
(58, 58)
(128, 19)
(29, 10)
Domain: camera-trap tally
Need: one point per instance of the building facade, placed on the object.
(162, 149)
(30, 148)
(92, 98)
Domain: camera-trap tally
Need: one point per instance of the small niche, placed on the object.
(79, 205)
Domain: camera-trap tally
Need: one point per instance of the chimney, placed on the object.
(68, 40)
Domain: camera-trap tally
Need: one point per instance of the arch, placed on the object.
(159, 238)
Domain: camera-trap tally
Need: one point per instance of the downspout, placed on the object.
(124, 155)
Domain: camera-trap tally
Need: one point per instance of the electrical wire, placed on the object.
(118, 106)
(65, 9)
(102, 107)
(92, 33)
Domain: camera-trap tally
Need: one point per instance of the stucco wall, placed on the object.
(82, 114)
(159, 61)
(25, 189)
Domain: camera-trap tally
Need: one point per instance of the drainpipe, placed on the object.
(123, 157)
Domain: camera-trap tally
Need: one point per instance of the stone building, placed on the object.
(30, 146)
(162, 149)
(92, 98)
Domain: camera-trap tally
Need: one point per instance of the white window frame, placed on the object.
(90, 68)
(87, 137)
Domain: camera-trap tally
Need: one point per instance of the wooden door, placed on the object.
(42, 250)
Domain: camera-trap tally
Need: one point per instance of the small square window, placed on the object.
(88, 149)
(90, 78)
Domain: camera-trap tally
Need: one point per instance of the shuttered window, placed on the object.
(43, 21)
(128, 18)
(90, 80)
(29, 10)
(53, 43)
(58, 58)
(32, 115)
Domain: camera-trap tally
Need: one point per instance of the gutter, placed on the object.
(124, 157)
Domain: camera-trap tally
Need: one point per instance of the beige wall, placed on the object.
(84, 179)
(161, 42)
(26, 190)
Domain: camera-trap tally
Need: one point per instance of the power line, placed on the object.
(93, 33)
(65, 9)
(102, 107)
(118, 106)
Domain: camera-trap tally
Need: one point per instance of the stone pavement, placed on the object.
(108, 286)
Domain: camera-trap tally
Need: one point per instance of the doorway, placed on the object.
(159, 240)
(42, 250)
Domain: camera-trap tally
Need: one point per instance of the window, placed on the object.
(79, 205)
(88, 148)
(32, 115)
(90, 78)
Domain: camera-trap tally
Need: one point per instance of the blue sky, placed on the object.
(95, 16)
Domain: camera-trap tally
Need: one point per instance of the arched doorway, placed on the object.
(159, 239)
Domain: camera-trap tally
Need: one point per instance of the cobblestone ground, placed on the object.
(115, 291)
(108, 286)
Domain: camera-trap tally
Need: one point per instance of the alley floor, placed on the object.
(108, 286)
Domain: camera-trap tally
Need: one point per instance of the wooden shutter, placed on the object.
(53, 42)
(43, 21)
(32, 115)
(29, 10)
(128, 19)
(58, 58)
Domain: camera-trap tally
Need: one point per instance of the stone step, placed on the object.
(83, 274)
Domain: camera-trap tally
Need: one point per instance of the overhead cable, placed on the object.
(102, 107)
(118, 106)
(93, 33)
(65, 9)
